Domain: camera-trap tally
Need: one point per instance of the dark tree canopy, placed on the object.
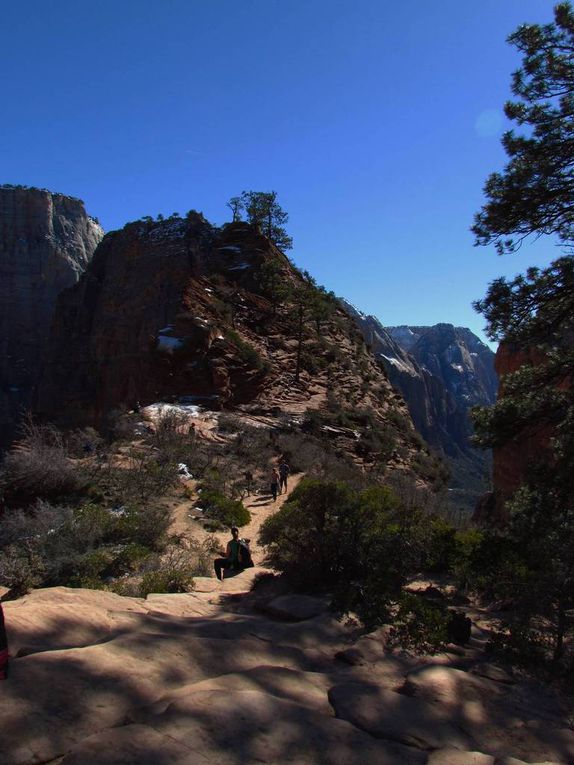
(263, 210)
(535, 192)
(534, 313)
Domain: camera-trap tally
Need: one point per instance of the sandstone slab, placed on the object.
(393, 716)
(448, 685)
(296, 608)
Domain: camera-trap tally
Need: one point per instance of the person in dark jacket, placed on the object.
(284, 471)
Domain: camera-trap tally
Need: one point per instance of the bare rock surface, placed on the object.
(389, 715)
(296, 608)
(199, 678)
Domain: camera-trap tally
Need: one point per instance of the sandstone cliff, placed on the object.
(176, 309)
(46, 241)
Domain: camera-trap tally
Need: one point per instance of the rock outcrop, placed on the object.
(175, 310)
(46, 242)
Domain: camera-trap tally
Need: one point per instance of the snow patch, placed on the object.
(230, 248)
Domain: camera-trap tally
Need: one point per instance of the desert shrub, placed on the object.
(378, 443)
(247, 352)
(52, 545)
(228, 423)
(170, 435)
(361, 544)
(442, 550)
(141, 479)
(174, 570)
(419, 625)
(522, 645)
(38, 467)
(84, 442)
(21, 568)
(165, 580)
(230, 512)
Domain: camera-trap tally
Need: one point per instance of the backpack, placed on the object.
(458, 628)
(245, 559)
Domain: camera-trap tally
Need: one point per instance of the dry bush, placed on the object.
(170, 436)
(38, 466)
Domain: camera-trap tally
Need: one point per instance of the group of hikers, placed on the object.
(237, 553)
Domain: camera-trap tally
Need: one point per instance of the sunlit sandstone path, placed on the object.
(229, 676)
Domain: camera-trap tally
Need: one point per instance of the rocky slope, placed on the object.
(46, 241)
(176, 310)
(226, 676)
(442, 372)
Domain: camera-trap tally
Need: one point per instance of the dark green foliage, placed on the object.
(535, 193)
(271, 279)
(247, 352)
(361, 544)
(419, 625)
(51, 545)
(263, 210)
(166, 580)
(534, 314)
(230, 512)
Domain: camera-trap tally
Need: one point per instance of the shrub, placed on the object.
(166, 580)
(247, 352)
(37, 467)
(360, 544)
(419, 625)
(230, 512)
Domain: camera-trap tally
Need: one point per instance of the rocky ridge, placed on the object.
(175, 310)
(46, 242)
(442, 372)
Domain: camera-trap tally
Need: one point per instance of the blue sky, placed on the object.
(376, 122)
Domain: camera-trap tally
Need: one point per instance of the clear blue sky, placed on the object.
(376, 122)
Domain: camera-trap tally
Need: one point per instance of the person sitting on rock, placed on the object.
(232, 556)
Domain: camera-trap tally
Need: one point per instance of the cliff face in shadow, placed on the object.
(46, 241)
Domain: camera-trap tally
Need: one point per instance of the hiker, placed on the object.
(3, 647)
(237, 555)
(284, 471)
(274, 483)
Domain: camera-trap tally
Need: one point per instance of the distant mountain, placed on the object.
(442, 372)
(46, 241)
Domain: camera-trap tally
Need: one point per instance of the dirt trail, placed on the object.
(260, 505)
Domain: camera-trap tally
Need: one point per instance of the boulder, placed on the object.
(385, 714)
(448, 685)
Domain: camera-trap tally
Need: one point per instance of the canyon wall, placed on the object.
(46, 241)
